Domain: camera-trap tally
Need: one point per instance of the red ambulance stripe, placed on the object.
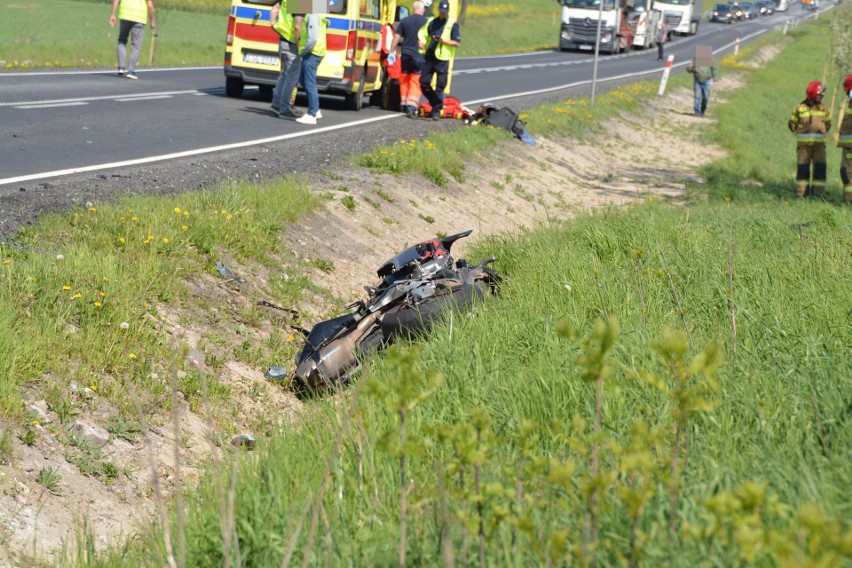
(261, 33)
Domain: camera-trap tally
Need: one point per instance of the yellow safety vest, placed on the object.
(284, 25)
(320, 45)
(133, 11)
(443, 52)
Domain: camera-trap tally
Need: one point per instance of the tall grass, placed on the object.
(713, 428)
(80, 286)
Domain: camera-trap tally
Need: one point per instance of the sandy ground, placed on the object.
(513, 189)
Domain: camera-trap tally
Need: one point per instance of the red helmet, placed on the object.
(814, 90)
(847, 83)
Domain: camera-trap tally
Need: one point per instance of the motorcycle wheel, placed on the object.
(410, 321)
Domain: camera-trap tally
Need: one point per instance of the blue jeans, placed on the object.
(702, 96)
(282, 96)
(308, 78)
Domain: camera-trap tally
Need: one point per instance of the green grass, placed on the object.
(82, 284)
(192, 32)
(77, 34)
(517, 423)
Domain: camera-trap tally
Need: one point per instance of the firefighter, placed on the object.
(809, 122)
(845, 142)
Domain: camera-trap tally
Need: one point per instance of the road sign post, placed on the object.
(666, 72)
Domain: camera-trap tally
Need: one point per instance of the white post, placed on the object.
(666, 72)
(786, 23)
(737, 47)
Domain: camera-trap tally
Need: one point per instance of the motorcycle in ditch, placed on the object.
(417, 286)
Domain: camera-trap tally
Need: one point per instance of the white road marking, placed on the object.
(51, 105)
(150, 98)
(100, 98)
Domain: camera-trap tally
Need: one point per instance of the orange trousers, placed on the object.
(409, 90)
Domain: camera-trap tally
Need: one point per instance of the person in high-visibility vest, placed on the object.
(289, 29)
(439, 39)
(844, 141)
(132, 16)
(312, 47)
(810, 122)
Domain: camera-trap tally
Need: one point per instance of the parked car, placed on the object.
(749, 10)
(723, 13)
(765, 7)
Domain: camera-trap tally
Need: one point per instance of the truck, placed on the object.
(580, 25)
(681, 16)
(354, 66)
(647, 18)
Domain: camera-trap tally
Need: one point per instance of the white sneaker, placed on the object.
(319, 115)
(307, 119)
(131, 75)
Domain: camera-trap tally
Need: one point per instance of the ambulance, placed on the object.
(358, 41)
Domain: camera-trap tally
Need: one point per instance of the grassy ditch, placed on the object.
(192, 32)
(81, 285)
(659, 385)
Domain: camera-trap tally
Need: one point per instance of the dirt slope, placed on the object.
(511, 190)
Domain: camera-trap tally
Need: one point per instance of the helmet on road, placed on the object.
(814, 90)
(847, 83)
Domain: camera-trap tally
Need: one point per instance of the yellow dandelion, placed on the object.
(121, 240)
(229, 217)
(66, 288)
(7, 261)
(122, 218)
(77, 296)
(291, 337)
(35, 422)
(186, 213)
(177, 210)
(94, 387)
(97, 304)
(134, 218)
(183, 227)
(132, 356)
(101, 294)
(165, 240)
(106, 278)
(93, 209)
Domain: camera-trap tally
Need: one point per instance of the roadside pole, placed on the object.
(597, 53)
(737, 47)
(666, 72)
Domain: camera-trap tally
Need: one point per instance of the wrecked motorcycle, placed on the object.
(417, 286)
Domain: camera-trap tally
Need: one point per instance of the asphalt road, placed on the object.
(76, 136)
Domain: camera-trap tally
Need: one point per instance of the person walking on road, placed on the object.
(703, 77)
(289, 29)
(844, 141)
(662, 38)
(412, 58)
(439, 38)
(810, 122)
(312, 49)
(132, 16)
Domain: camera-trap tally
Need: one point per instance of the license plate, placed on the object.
(587, 47)
(260, 59)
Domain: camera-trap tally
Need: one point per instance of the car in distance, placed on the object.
(765, 7)
(749, 10)
(723, 13)
(739, 14)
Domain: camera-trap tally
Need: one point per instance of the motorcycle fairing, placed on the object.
(325, 330)
(420, 252)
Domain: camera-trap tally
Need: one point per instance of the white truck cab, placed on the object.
(681, 16)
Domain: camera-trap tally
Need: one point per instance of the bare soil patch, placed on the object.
(513, 189)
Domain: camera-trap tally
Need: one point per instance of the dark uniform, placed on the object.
(810, 122)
